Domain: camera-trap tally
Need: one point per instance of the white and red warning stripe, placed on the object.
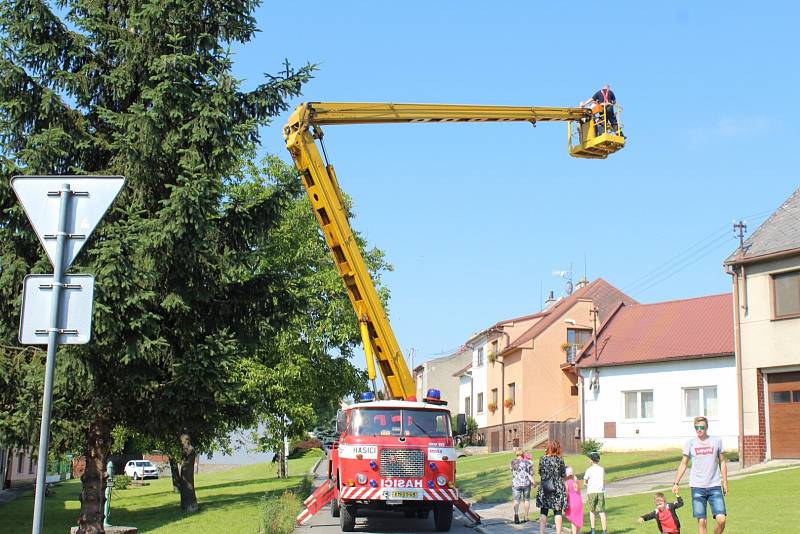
(319, 498)
(441, 494)
(364, 493)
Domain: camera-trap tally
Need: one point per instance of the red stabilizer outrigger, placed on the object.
(314, 503)
(464, 508)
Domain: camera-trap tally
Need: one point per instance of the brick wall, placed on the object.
(754, 448)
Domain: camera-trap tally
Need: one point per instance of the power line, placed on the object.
(691, 255)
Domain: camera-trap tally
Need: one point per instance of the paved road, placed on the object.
(393, 522)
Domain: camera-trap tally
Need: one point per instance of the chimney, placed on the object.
(550, 300)
(582, 283)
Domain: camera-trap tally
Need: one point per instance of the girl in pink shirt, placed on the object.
(574, 511)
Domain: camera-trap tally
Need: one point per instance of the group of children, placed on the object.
(664, 513)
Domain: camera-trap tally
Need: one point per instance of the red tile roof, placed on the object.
(679, 329)
(605, 296)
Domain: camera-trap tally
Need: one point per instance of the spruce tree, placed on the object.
(143, 90)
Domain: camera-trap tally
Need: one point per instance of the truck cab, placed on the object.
(395, 455)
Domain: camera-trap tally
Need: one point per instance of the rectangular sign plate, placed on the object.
(76, 309)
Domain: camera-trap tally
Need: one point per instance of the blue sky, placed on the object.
(476, 217)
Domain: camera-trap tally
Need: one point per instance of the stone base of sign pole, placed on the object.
(111, 530)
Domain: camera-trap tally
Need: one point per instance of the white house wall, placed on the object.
(480, 380)
(668, 427)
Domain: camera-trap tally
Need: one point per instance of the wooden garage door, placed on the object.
(784, 414)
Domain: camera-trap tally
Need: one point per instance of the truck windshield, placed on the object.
(399, 422)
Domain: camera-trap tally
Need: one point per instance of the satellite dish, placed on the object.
(568, 287)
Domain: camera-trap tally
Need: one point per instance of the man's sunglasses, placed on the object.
(698, 427)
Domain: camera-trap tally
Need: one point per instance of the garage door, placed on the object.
(784, 414)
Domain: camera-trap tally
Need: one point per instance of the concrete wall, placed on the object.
(668, 427)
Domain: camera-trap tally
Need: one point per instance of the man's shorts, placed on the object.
(596, 502)
(713, 497)
(522, 494)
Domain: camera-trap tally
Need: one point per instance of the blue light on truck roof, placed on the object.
(367, 396)
(434, 394)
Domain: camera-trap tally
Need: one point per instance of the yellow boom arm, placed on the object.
(319, 180)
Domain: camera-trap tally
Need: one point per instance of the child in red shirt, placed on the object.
(665, 515)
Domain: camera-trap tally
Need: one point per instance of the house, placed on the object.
(19, 467)
(483, 346)
(654, 367)
(765, 274)
(439, 373)
(531, 381)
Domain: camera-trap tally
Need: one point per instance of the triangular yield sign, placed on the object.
(94, 195)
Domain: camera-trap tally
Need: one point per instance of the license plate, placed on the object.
(409, 495)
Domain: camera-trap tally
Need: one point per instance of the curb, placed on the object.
(314, 468)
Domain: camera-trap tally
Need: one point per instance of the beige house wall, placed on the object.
(543, 390)
(766, 343)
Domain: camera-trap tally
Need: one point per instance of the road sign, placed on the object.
(75, 309)
(91, 197)
(63, 211)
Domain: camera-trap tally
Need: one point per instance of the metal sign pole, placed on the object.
(52, 343)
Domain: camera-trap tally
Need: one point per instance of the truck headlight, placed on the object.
(441, 480)
(362, 478)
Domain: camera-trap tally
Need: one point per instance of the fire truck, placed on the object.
(398, 454)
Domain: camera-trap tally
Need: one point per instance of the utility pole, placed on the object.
(739, 229)
(594, 311)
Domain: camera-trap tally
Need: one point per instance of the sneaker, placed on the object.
(516, 519)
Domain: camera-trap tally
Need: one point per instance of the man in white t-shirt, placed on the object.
(594, 478)
(708, 479)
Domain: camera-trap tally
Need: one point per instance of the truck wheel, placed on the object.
(443, 517)
(347, 518)
(335, 507)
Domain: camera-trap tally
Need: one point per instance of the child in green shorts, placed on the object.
(594, 478)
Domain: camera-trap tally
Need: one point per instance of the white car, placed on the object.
(137, 469)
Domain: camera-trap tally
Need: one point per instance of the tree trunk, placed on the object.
(283, 463)
(186, 475)
(96, 451)
(173, 469)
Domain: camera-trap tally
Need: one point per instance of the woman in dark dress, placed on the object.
(552, 494)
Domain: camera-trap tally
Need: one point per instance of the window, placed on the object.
(700, 401)
(398, 422)
(494, 348)
(494, 397)
(795, 396)
(468, 406)
(638, 404)
(512, 392)
(781, 397)
(786, 295)
(480, 357)
(20, 459)
(30, 465)
(576, 339)
(480, 403)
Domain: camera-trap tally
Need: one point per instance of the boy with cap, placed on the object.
(594, 478)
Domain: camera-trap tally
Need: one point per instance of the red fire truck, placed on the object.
(392, 455)
(397, 454)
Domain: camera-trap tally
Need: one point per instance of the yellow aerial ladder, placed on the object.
(589, 136)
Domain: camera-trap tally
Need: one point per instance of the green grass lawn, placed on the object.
(762, 503)
(487, 478)
(229, 502)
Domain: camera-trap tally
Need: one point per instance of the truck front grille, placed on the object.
(402, 463)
